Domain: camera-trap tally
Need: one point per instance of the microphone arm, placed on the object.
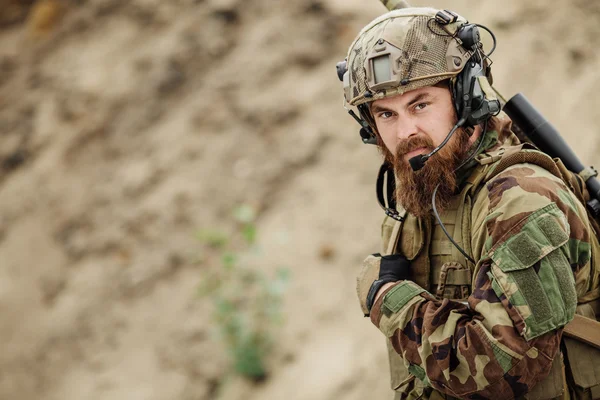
(418, 162)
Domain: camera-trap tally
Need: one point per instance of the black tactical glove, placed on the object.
(392, 268)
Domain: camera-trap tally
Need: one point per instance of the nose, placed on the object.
(406, 128)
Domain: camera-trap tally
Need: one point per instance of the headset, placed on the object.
(470, 101)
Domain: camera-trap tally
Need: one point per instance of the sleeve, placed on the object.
(532, 234)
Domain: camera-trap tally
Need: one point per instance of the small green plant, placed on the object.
(246, 302)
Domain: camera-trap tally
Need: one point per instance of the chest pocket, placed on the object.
(409, 237)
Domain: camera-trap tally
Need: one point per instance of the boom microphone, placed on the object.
(418, 162)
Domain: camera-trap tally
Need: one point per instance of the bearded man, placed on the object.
(485, 249)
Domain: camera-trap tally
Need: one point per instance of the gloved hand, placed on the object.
(378, 270)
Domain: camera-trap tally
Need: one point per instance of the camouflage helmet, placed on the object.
(403, 50)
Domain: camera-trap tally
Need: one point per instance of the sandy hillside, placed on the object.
(128, 126)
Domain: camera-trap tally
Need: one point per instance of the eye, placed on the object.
(421, 106)
(385, 114)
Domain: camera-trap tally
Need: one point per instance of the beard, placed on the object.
(414, 189)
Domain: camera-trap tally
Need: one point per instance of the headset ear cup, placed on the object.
(456, 93)
(471, 101)
(475, 66)
(459, 91)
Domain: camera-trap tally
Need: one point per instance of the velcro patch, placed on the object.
(399, 295)
(534, 274)
(545, 230)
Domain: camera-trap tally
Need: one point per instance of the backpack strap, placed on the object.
(521, 156)
(587, 173)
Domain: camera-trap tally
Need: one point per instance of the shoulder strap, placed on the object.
(521, 156)
(584, 329)
(390, 246)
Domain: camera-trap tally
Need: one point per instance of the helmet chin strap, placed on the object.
(418, 162)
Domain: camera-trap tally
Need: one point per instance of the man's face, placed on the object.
(415, 123)
(426, 112)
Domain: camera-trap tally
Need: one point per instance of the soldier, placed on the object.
(486, 251)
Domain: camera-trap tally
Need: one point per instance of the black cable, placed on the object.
(446, 34)
(435, 212)
(454, 35)
(389, 206)
(460, 123)
(437, 216)
(493, 38)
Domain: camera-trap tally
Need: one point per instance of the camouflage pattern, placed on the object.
(395, 4)
(531, 239)
(368, 274)
(423, 53)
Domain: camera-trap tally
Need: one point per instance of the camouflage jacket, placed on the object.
(529, 236)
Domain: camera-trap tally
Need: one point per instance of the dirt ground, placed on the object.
(127, 126)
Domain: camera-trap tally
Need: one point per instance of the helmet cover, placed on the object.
(400, 51)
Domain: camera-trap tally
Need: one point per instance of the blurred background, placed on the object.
(184, 203)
